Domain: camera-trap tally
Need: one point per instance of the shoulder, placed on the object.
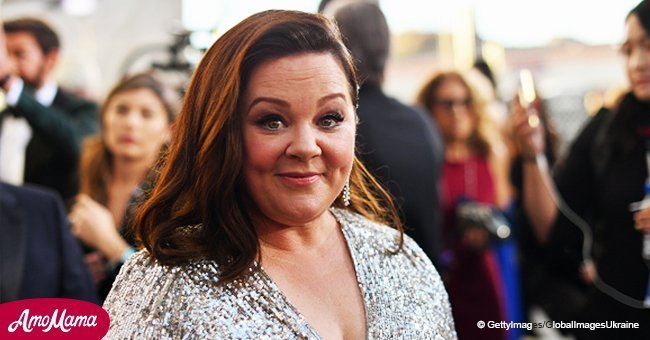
(382, 239)
(30, 195)
(364, 228)
(593, 127)
(151, 300)
(70, 101)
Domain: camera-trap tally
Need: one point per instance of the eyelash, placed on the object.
(263, 121)
(337, 117)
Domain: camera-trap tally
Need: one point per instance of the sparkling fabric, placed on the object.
(403, 295)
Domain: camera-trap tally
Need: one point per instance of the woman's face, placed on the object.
(637, 52)
(453, 111)
(298, 127)
(135, 124)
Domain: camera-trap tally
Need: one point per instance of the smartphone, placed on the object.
(527, 94)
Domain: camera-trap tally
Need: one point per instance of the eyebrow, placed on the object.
(286, 104)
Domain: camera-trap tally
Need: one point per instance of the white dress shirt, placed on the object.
(16, 132)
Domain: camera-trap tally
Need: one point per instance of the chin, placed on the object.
(642, 93)
(299, 214)
(128, 155)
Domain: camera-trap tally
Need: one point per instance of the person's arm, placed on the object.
(145, 299)
(64, 130)
(95, 226)
(499, 163)
(573, 177)
(539, 202)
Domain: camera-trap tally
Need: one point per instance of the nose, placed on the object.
(458, 109)
(131, 119)
(303, 144)
(639, 59)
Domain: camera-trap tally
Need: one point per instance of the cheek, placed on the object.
(156, 129)
(260, 153)
(469, 121)
(156, 139)
(109, 129)
(338, 150)
(443, 122)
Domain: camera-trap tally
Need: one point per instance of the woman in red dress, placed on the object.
(475, 170)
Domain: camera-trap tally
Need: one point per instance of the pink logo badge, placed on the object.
(52, 318)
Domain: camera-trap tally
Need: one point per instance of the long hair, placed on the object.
(618, 138)
(197, 209)
(96, 159)
(621, 135)
(484, 138)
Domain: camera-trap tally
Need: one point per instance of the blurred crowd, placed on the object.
(491, 201)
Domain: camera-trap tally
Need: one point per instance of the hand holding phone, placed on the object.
(527, 96)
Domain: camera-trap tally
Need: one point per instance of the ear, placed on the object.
(51, 58)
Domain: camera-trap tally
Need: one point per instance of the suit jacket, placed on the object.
(52, 155)
(39, 257)
(403, 149)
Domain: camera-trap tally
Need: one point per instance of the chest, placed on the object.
(470, 179)
(118, 200)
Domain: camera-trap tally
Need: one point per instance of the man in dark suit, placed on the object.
(42, 128)
(397, 143)
(39, 257)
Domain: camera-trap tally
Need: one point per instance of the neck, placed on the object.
(130, 171)
(304, 239)
(457, 151)
(41, 83)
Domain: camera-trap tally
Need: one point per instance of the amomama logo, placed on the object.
(52, 318)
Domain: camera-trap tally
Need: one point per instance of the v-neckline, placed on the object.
(347, 235)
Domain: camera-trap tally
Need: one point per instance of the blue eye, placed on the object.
(331, 120)
(271, 122)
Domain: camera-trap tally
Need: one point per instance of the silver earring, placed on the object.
(346, 193)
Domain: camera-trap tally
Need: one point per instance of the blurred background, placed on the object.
(570, 46)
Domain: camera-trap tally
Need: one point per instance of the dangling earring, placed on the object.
(346, 193)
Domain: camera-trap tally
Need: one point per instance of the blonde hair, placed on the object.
(485, 138)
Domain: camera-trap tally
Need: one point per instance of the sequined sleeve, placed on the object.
(431, 282)
(140, 306)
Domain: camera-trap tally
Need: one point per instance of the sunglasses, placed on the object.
(449, 104)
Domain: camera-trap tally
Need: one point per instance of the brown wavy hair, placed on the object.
(96, 160)
(485, 132)
(197, 209)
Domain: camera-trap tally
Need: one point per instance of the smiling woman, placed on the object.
(263, 217)
(298, 137)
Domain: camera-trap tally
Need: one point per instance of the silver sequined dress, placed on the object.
(403, 294)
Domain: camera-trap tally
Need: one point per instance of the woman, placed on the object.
(550, 278)
(263, 223)
(604, 172)
(549, 275)
(135, 124)
(474, 170)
